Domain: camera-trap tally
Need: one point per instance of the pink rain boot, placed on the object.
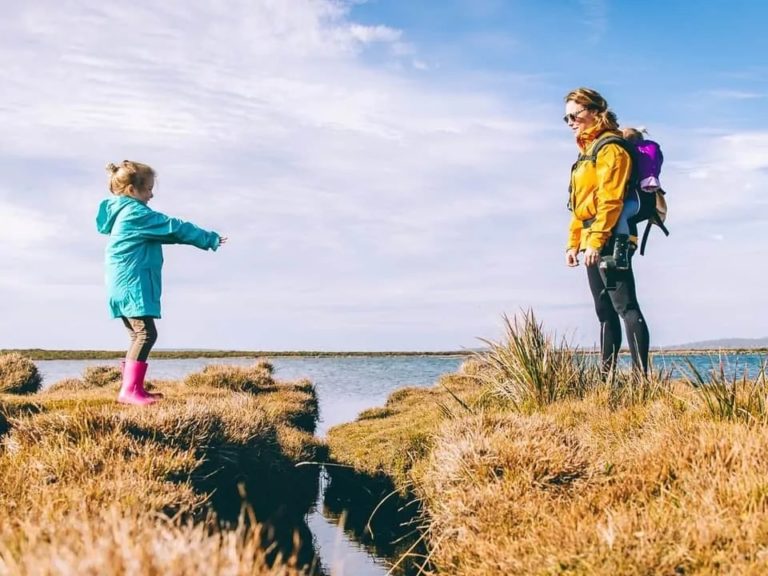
(156, 395)
(132, 390)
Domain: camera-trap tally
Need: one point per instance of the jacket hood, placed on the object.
(108, 211)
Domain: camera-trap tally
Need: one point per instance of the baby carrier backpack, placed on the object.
(653, 204)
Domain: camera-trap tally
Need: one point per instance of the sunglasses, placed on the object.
(572, 117)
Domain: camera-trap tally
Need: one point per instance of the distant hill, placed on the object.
(725, 343)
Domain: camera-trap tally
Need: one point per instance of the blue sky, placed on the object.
(391, 174)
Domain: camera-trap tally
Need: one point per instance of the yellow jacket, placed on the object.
(597, 193)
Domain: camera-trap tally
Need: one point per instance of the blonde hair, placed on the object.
(592, 100)
(634, 134)
(128, 174)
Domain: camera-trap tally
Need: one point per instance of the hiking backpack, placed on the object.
(653, 205)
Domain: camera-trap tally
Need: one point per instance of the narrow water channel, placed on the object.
(346, 387)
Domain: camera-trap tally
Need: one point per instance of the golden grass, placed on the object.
(18, 374)
(112, 542)
(390, 440)
(88, 486)
(584, 488)
(521, 475)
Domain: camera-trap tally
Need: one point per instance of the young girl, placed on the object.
(134, 260)
(649, 159)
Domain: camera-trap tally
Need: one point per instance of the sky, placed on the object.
(391, 174)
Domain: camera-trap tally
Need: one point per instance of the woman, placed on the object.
(598, 185)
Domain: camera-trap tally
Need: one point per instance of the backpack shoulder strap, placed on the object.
(597, 145)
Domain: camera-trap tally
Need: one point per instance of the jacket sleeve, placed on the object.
(574, 233)
(613, 168)
(156, 226)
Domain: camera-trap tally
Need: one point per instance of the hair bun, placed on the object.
(112, 168)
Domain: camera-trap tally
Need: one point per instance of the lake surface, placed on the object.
(346, 387)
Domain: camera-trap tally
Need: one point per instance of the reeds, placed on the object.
(734, 397)
(530, 370)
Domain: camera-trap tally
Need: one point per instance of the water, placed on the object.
(346, 387)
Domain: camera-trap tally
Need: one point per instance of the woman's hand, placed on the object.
(572, 257)
(591, 257)
(222, 240)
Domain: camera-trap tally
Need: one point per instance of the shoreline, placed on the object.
(44, 354)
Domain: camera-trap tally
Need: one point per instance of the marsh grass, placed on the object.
(530, 370)
(390, 440)
(102, 376)
(88, 486)
(734, 397)
(18, 375)
(112, 542)
(631, 388)
(253, 378)
(552, 470)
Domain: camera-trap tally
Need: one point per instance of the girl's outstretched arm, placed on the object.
(161, 228)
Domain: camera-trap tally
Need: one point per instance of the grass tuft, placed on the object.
(18, 375)
(731, 398)
(102, 376)
(254, 379)
(530, 370)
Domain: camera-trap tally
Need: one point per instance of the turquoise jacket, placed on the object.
(134, 254)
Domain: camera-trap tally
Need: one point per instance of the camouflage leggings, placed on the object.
(143, 336)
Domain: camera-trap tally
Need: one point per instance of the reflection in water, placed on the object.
(347, 386)
(374, 514)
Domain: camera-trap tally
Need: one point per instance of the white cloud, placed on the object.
(366, 206)
(22, 228)
(371, 34)
(337, 182)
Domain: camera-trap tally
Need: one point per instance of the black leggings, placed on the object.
(609, 305)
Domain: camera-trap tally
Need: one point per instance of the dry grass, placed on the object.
(390, 440)
(530, 370)
(548, 470)
(114, 543)
(18, 375)
(102, 376)
(88, 486)
(585, 488)
(251, 379)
